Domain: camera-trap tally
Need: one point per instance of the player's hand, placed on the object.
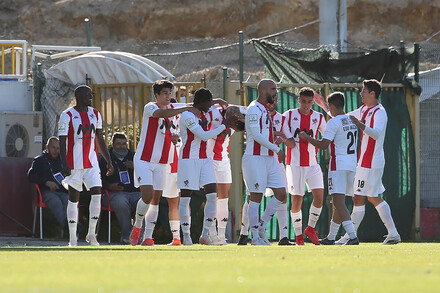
(303, 135)
(52, 185)
(319, 100)
(222, 103)
(230, 121)
(128, 164)
(66, 170)
(175, 139)
(281, 155)
(195, 111)
(115, 187)
(110, 169)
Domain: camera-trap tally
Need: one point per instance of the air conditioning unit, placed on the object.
(21, 134)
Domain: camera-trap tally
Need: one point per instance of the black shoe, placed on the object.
(244, 239)
(354, 241)
(284, 241)
(326, 241)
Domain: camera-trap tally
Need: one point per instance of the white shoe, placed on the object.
(259, 241)
(187, 239)
(390, 240)
(342, 240)
(263, 235)
(223, 242)
(91, 238)
(73, 243)
(215, 240)
(205, 240)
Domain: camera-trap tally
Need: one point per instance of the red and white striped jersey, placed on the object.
(304, 154)
(371, 153)
(259, 131)
(155, 141)
(343, 136)
(218, 147)
(80, 129)
(195, 134)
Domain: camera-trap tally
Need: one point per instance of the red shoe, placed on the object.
(148, 242)
(299, 240)
(311, 233)
(175, 242)
(134, 236)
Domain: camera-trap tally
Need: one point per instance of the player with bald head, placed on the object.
(260, 164)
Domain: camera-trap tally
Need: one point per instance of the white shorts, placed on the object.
(91, 177)
(146, 173)
(298, 177)
(269, 191)
(368, 182)
(170, 189)
(222, 171)
(261, 172)
(341, 182)
(195, 173)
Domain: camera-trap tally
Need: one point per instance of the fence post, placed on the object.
(225, 81)
(402, 58)
(416, 61)
(89, 38)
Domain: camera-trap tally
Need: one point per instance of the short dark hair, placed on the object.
(118, 135)
(306, 91)
(337, 99)
(373, 85)
(202, 95)
(173, 100)
(161, 84)
(239, 125)
(79, 90)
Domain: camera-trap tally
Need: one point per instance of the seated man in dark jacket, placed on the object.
(46, 172)
(123, 195)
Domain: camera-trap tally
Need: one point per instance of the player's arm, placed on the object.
(63, 156)
(104, 151)
(253, 122)
(320, 101)
(320, 144)
(167, 113)
(380, 123)
(192, 124)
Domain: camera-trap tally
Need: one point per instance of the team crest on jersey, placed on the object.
(216, 119)
(276, 122)
(75, 117)
(370, 113)
(314, 121)
(253, 118)
(186, 182)
(257, 186)
(295, 118)
(92, 116)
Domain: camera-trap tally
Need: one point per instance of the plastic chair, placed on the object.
(39, 203)
(109, 210)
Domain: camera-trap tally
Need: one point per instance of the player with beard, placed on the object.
(259, 164)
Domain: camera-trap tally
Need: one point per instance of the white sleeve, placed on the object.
(99, 123)
(149, 109)
(323, 125)
(253, 122)
(286, 129)
(63, 124)
(356, 113)
(380, 123)
(331, 129)
(192, 124)
(243, 109)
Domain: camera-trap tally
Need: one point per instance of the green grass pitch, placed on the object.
(369, 267)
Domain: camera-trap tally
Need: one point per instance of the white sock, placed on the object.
(150, 221)
(245, 219)
(253, 210)
(282, 219)
(314, 213)
(72, 218)
(385, 215)
(94, 211)
(210, 212)
(334, 228)
(175, 228)
(357, 215)
(141, 210)
(271, 208)
(222, 216)
(349, 228)
(297, 222)
(185, 215)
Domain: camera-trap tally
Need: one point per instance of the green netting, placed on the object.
(399, 173)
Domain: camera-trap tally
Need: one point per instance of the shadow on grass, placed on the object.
(108, 248)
